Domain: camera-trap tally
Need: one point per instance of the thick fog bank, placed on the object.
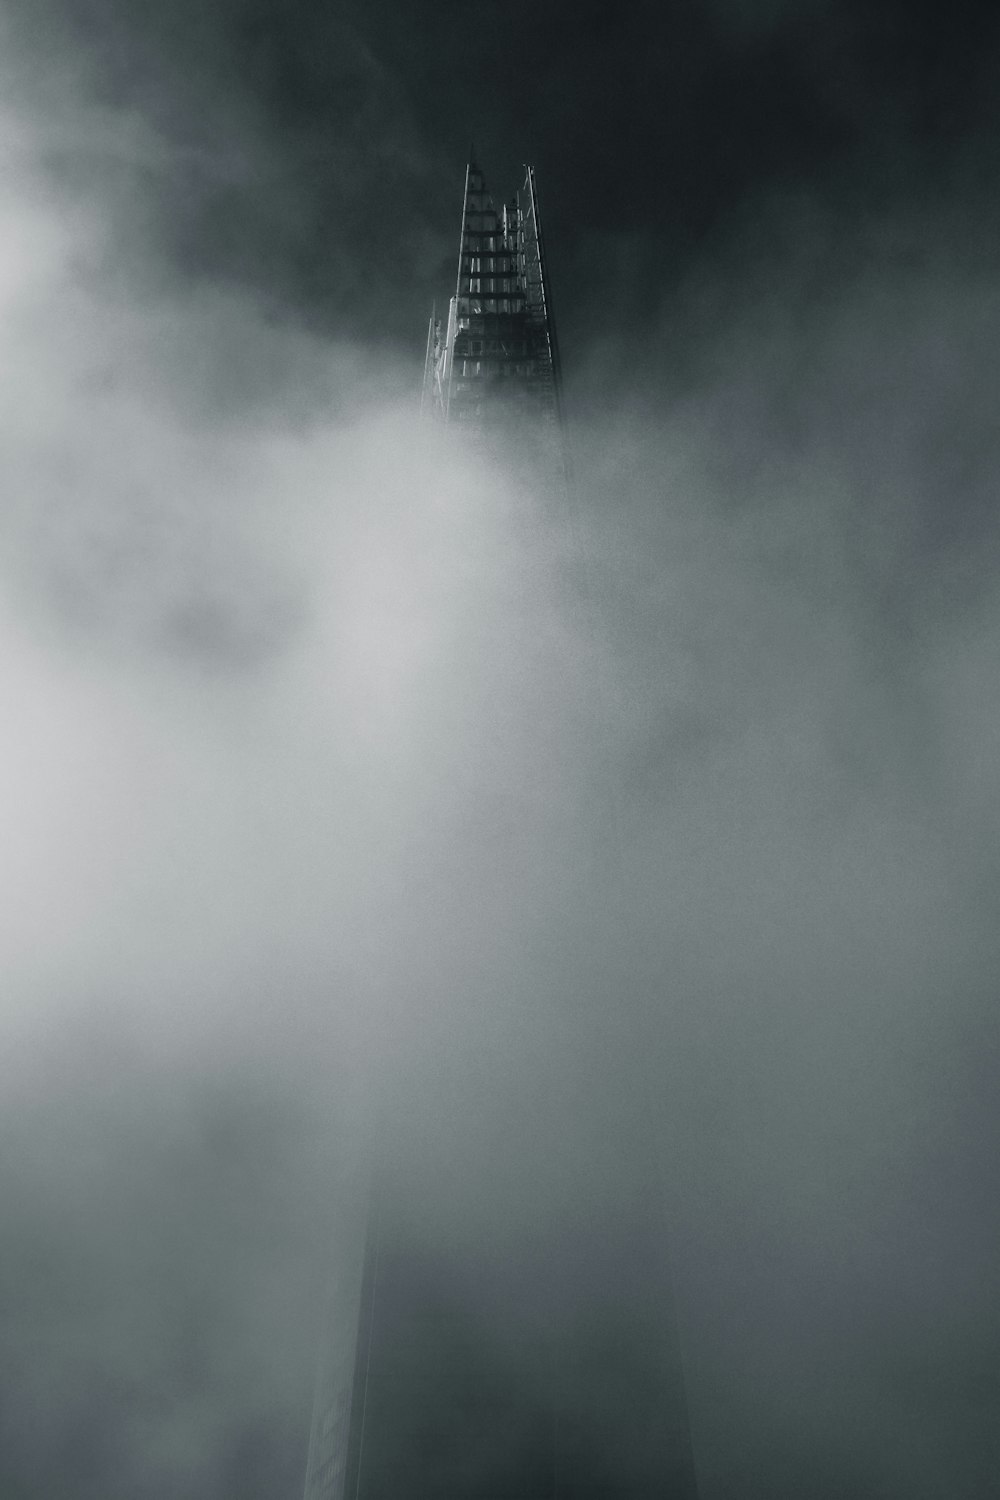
(652, 838)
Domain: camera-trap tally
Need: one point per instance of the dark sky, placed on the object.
(314, 150)
(336, 782)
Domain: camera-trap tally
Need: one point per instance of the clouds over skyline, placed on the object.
(329, 757)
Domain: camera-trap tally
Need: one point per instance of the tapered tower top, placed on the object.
(493, 370)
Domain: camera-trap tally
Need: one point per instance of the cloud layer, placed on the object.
(341, 778)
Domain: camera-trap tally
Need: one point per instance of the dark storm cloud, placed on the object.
(305, 151)
(311, 761)
(251, 138)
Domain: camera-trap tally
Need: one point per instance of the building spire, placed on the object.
(497, 369)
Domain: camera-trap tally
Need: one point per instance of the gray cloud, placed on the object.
(330, 759)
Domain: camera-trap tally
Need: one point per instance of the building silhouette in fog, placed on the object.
(492, 369)
(463, 1358)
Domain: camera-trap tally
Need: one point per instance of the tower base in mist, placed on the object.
(491, 1362)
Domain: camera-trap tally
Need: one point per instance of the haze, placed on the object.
(341, 780)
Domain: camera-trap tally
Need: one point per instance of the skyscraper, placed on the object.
(492, 369)
(479, 1343)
